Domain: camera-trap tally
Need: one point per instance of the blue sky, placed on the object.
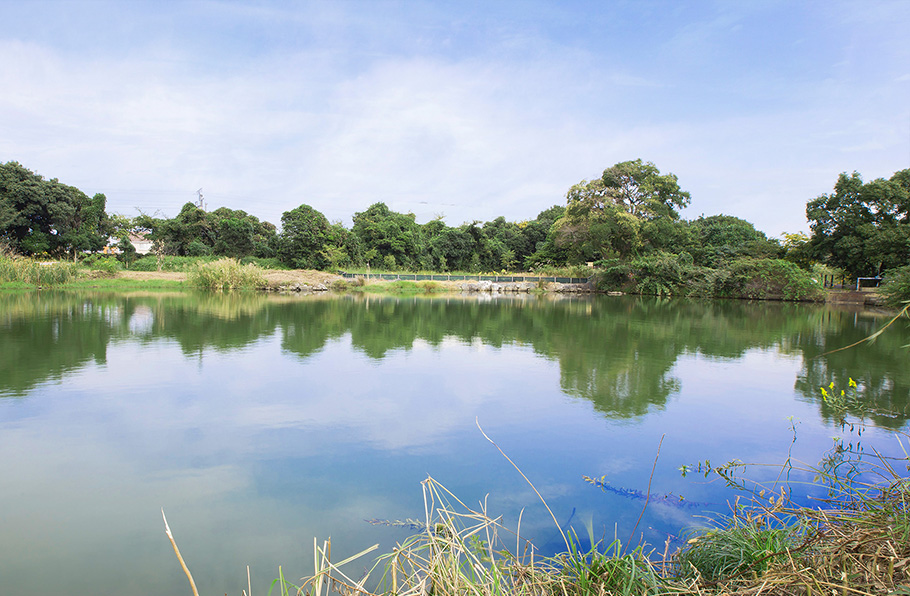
(469, 110)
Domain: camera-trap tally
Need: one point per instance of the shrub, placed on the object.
(169, 263)
(198, 249)
(895, 288)
(108, 265)
(226, 274)
(768, 279)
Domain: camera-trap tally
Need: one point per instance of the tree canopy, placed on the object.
(39, 216)
(863, 228)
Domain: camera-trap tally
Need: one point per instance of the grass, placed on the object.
(401, 287)
(17, 270)
(122, 283)
(226, 274)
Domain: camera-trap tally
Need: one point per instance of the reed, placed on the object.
(226, 274)
(27, 271)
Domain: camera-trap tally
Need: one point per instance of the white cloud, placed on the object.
(449, 113)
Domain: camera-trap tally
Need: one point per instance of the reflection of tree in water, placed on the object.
(306, 325)
(223, 322)
(886, 397)
(44, 336)
(617, 352)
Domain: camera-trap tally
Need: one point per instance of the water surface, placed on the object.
(259, 422)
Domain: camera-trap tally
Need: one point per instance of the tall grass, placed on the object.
(34, 273)
(226, 274)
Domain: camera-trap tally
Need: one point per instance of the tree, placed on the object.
(722, 238)
(641, 190)
(389, 233)
(304, 233)
(594, 226)
(45, 216)
(863, 228)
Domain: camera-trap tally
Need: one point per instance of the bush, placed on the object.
(226, 274)
(198, 249)
(664, 274)
(661, 274)
(895, 288)
(108, 265)
(169, 263)
(768, 279)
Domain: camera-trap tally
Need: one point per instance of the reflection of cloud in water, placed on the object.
(330, 395)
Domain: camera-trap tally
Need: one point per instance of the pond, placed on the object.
(260, 422)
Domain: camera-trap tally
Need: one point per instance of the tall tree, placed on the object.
(46, 216)
(304, 233)
(642, 191)
(863, 228)
(388, 237)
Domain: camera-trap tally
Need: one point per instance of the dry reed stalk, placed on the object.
(167, 530)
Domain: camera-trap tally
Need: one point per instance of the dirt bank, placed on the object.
(274, 277)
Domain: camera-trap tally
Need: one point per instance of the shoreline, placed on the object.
(308, 280)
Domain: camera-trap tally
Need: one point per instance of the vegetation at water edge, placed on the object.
(626, 220)
(857, 541)
(226, 274)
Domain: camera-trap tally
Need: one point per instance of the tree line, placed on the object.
(631, 211)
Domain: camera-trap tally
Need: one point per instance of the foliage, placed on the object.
(46, 217)
(641, 190)
(304, 232)
(665, 274)
(386, 233)
(863, 228)
(895, 288)
(195, 232)
(226, 274)
(108, 265)
(722, 238)
(264, 263)
(31, 272)
(168, 263)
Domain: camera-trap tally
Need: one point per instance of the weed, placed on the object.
(226, 274)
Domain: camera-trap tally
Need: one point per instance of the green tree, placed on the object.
(45, 216)
(642, 191)
(863, 228)
(389, 233)
(719, 239)
(594, 226)
(304, 233)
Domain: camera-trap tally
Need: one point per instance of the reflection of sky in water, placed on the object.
(255, 450)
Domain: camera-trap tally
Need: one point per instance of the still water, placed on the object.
(260, 422)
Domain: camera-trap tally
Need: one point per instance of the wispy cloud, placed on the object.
(462, 111)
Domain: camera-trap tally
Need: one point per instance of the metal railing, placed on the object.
(446, 277)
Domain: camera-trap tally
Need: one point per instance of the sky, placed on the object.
(460, 109)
